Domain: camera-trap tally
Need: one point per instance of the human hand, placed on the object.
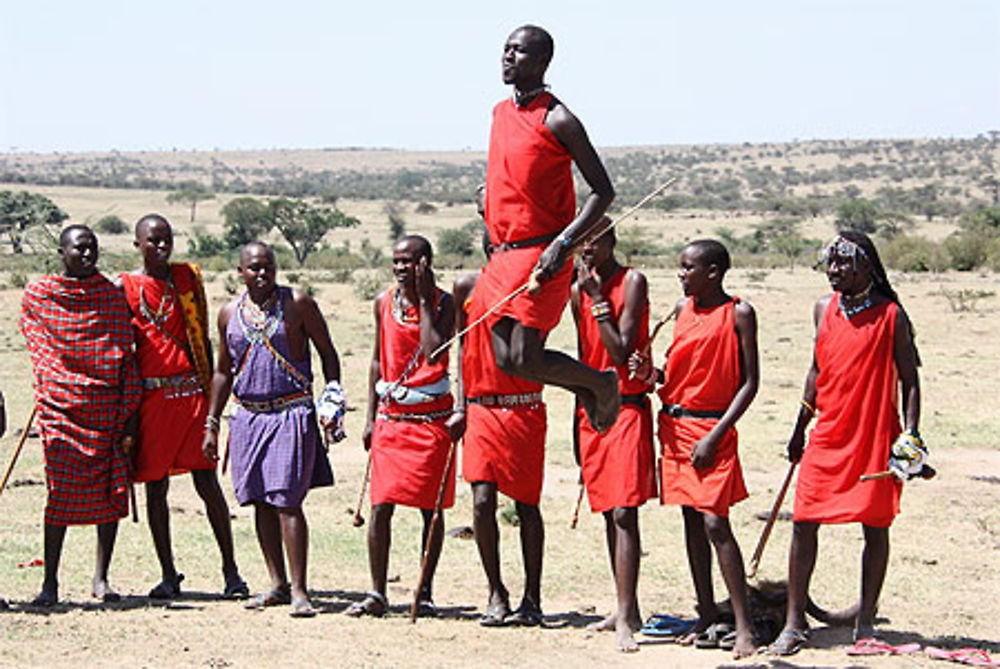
(703, 454)
(640, 366)
(796, 444)
(423, 278)
(550, 261)
(366, 436)
(210, 446)
(456, 425)
(589, 282)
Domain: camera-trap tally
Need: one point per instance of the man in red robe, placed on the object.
(170, 317)
(87, 391)
(503, 420)
(611, 309)
(530, 205)
(409, 401)
(864, 360)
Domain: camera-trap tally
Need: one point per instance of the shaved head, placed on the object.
(541, 38)
(149, 219)
(711, 252)
(248, 249)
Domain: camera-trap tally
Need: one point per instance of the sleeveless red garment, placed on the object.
(408, 458)
(171, 423)
(702, 373)
(857, 407)
(529, 193)
(502, 445)
(618, 467)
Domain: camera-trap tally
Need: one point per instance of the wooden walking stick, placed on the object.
(576, 509)
(435, 519)
(359, 520)
(17, 450)
(759, 551)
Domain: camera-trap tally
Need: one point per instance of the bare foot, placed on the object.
(626, 642)
(102, 590)
(605, 625)
(704, 622)
(609, 402)
(745, 645)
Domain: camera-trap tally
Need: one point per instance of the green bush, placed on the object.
(907, 253)
(112, 225)
(18, 279)
(967, 249)
(368, 284)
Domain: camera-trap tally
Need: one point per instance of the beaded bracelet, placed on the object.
(212, 423)
(601, 311)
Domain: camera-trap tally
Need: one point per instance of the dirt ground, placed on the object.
(943, 585)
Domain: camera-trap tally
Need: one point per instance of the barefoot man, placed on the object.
(530, 205)
(87, 392)
(611, 309)
(170, 316)
(274, 439)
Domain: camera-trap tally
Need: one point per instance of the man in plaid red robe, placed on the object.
(87, 390)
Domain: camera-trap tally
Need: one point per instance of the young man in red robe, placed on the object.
(611, 309)
(87, 392)
(710, 377)
(530, 215)
(170, 317)
(409, 401)
(864, 361)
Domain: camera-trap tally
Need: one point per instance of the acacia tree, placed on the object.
(247, 219)
(20, 211)
(191, 192)
(303, 225)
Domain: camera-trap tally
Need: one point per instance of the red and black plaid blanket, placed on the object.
(86, 385)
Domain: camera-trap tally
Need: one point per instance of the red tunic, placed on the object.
(857, 394)
(702, 374)
(529, 193)
(619, 466)
(408, 458)
(171, 419)
(502, 445)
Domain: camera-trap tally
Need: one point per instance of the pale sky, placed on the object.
(196, 74)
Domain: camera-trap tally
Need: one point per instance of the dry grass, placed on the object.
(943, 578)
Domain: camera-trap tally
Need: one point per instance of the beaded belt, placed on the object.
(541, 240)
(301, 398)
(415, 417)
(677, 411)
(181, 385)
(506, 400)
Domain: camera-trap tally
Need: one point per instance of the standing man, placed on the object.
(530, 205)
(87, 392)
(170, 316)
(275, 447)
(611, 309)
(409, 400)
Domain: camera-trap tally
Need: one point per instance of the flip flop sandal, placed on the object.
(302, 608)
(971, 656)
(263, 600)
(374, 604)
(426, 609)
(728, 642)
(872, 646)
(496, 615)
(789, 642)
(167, 589)
(524, 616)
(663, 625)
(237, 589)
(711, 637)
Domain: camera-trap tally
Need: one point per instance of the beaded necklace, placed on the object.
(163, 310)
(257, 321)
(853, 305)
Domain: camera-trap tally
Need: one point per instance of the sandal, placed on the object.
(302, 608)
(712, 637)
(526, 615)
(167, 589)
(873, 646)
(972, 656)
(663, 625)
(374, 604)
(426, 609)
(274, 597)
(496, 614)
(789, 642)
(236, 588)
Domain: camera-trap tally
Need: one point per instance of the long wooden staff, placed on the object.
(359, 520)
(755, 560)
(576, 509)
(17, 450)
(435, 519)
(533, 283)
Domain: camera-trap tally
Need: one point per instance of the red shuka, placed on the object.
(618, 467)
(857, 395)
(171, 423)
(501, 445)
(529, 193)
(408, 458)
(702, 373)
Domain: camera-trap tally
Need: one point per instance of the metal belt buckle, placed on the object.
(675, 410)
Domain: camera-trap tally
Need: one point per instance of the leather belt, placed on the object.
(177, 381)
(300, 398)
(541, 240)
(415, 417)
(677, 411)
(638, 399)
(506, 400)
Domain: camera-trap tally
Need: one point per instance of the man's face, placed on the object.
(79, 254)
(693, 273)
(155, 242)
(523, 58)
(258, 269)
(405, 259)
(848, 274)
(598, 251)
